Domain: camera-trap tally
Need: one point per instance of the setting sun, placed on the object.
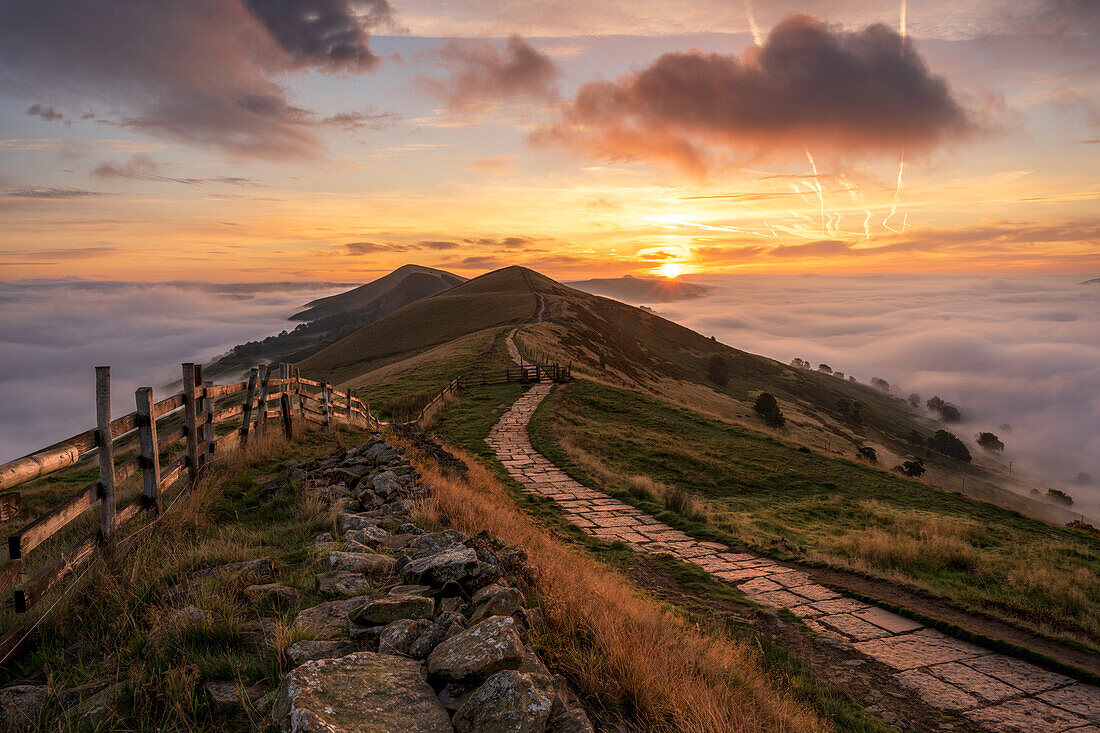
(671, 270)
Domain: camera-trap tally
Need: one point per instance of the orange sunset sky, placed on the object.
(234, 140)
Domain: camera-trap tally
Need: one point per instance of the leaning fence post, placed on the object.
(349, 404)
(246, 420)
(150, 456)
(326, 403)
(106, 455)
(190, 413)
(288, 426)
(261, 415)
(208, 423)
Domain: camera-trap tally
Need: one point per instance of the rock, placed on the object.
(263, 627)
(454, 604)
(328, 617)
(21, 706)
(390, 608)
(436, 570)
(346, 505)
(443, 627)
(88, 707)
(360, 562)
(380, 454)
(297, 475)
(273, 594)
(397, 637)
(482, 576)
(229, 695)
(407, 528)
(248, 571)
(489, 647)
(508, 702)
(323, 539)
(344, 583)
(366, 636)
(362, 692)
(410, 590)
(431, 543)
(369, 536)
(494, 600)
(301, 652)
(347, 522)
(385, 484)
(573, 720)
(532, 664)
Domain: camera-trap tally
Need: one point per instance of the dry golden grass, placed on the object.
(617, 644)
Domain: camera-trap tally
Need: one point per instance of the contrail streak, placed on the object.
(820, 194)
(857, 198)
(757, 34)
(897, 198)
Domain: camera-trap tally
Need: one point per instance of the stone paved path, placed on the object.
(998, 693)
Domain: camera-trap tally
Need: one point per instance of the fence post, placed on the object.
(288, 426)
(106, 455)
(190, 415)
(246, 421)
(150, 456)
(349, 404)
(301, 397)
(208, 423)
(261, 416)
(326, 403)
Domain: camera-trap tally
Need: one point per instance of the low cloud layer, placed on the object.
(809, 87)
(55, 331)
(1022, 351)
(481, 72)
(203, 72)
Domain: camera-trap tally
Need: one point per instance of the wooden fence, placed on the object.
(155, 430)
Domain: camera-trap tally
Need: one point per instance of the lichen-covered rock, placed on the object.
(347, 522)
(362, 692)
(482, 650)
(391, 608)
(229, 695)
(508, 702)
(369, 536)
(248, 571)
(21, 705)
(494, 600)
(323, 539)
(308, 650)
(361, 562)
(432, 543)
(273, 594)
(328, 617)
(398, 636)
(443, 627)
(437, 570)
(343, 583)
(385, 484)
(573, 720)
(410, 590)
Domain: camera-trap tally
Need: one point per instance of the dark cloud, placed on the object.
(810, 86)
(204, 72)
(362, 248)
(143, 168)
(438, 245)
(361, 120)
(49, 114)
(327, 34)
(480, 72)
(55, 255)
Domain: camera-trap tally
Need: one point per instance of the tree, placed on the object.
(912, 469)
(949, 445)
(1059, 496)
(798, 363)
(825, 368)
(768, 408)
(880, 384)
(934, 403)
(950, 413)
(989, 441)
(718, 371)
(914, 399)
(915, 437)
(868, 454)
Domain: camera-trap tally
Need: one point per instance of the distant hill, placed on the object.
(383, 296)
(639, 289)
(330, 319)
(1094, 281)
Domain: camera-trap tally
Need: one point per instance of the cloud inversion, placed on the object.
(809, 86)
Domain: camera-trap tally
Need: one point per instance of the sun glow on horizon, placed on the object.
(671, 270)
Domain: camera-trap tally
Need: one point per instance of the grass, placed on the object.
(772, 496)
(245, 509)
(627, 654)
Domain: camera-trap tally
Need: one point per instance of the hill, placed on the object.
(330, 319)
(641, 289)
(384, 295)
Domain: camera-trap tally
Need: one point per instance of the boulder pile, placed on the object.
(432, 633)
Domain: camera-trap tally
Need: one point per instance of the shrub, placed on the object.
(914, 399)
(868, 454)
(880, 384)
(1059, 496)
(825, 368)
(949, 445)
(989, 441)
(912, 469)
(718, 371)
(768, 408)
(915, 437)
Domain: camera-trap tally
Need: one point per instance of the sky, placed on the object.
(334, 140)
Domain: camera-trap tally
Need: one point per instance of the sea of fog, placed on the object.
(1019, 351)
(1008, 350)
(53, 333)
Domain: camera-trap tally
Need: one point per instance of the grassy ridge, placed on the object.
(772, 495)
